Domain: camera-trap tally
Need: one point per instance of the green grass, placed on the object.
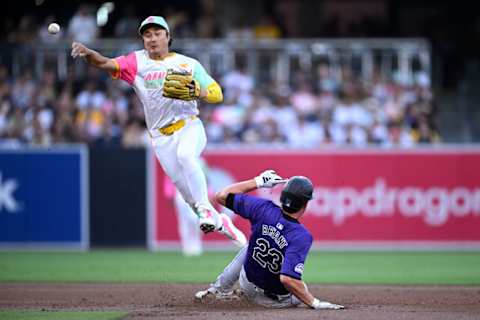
(446, 268)
(59, 315)
(110, 266)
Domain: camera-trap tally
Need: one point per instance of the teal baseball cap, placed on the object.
(153, 20)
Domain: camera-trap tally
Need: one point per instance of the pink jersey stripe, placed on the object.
(128, 67)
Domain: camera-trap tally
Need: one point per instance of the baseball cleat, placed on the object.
(229, 230)
(328, 305)
(206, 227)
(212, 294)
(192, 252)
(206, 219)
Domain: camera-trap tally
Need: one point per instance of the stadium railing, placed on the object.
(269, 59)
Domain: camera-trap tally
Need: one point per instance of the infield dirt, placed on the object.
(175, 301)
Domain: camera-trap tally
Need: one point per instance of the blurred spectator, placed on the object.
(90, 96)
(23, 89)
(306, 133)
(267, 28)
(326, 81)
(24, 32)
(238, 83)
(398, 135)
(83, 25)
(378, 132)
(90, 123)
(4, 118)
(63, 130)
(40, 132)
(240, 30)
(17, 126)
(350, 111)
(207, 25)
(127, 25)
(179, 23)
(283, 113)
(355, 135)
(46, 88)
(304, 100)
(425, 133)
(231, 114)
(5, 84)
(135, 135)
(109, 137)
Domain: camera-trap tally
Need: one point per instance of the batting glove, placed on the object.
(322, 305)
(268, 179)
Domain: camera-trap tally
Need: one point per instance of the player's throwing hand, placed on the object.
(79, 50)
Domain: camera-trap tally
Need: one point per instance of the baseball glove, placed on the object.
(181, 85)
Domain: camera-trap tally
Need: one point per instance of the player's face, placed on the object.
(155, 40)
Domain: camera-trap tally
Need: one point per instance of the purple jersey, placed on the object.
(278, 245)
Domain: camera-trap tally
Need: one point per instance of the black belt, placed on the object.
(266, 293)
(271, 295)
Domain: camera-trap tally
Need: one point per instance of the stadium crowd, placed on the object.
(313, 110)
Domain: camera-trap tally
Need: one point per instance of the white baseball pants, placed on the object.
(179, 156)
(234, 272)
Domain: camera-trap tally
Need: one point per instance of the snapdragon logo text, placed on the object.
(435, 205)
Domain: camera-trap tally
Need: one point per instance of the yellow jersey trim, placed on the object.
(116, 74)
(170, 54)
(214, 93)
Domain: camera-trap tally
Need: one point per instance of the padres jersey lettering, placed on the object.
(146, 76)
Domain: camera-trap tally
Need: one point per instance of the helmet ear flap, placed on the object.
(291, 203)
(296, 193)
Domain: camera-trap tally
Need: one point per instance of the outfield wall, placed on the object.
(371, 198)
(44, 198)
(117, 197)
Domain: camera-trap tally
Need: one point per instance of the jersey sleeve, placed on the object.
(201, 75)
(247, 206)
(126, 68)
(295, 256)
(213, 89)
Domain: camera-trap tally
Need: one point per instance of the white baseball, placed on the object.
(53, 28)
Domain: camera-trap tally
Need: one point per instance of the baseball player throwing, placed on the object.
(168, 85)
(269, 270)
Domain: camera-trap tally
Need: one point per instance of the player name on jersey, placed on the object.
(273, 233)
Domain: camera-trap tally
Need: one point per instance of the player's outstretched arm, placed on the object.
(239, 187)
(267, 179)
(93, 57)
(298, 289)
